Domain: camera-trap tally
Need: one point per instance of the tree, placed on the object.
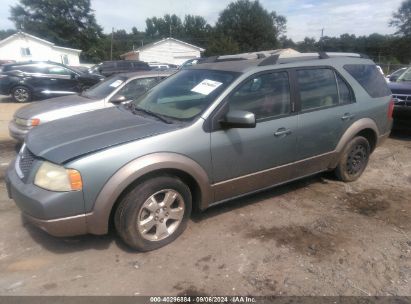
(196, 30)
(251, 26)
(69, 23)
(402, 19)
(6, 33)
(168, 26)
(221, 46)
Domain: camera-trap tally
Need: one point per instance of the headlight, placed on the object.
(57, 178)
(27, 122)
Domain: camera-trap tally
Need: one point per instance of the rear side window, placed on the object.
(369, 78)
(344, 92)
(318, 88)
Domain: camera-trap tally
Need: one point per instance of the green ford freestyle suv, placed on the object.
(218, 130)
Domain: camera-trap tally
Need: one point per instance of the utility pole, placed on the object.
(321, 39)
(111, 47)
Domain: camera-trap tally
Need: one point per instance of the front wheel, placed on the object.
(354, 159)
(21, 94)
(154, 213)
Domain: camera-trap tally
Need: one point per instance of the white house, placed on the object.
(168, 50)
(22, 47)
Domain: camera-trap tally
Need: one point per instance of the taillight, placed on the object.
(390, 108)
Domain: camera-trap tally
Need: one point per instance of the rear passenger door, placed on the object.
(62, 80)
(326, 109)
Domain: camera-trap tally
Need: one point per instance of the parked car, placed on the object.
(394, 75)
(108, 68)
(25, 81)
(202, 136)
(113, 91)
(401, 93)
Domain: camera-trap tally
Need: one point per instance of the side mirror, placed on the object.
(239, 119)
(117, 99)
(393, 78)
(73, 76)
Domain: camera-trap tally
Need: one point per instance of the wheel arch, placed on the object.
(365, 127)
(141, 169)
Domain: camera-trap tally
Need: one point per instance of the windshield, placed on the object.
(405, 76)
(103, 89)
(186, 94)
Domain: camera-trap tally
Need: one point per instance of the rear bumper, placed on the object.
(17, 132)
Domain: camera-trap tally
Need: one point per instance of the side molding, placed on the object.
(98, 220)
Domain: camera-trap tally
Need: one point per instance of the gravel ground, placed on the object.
(316, 236)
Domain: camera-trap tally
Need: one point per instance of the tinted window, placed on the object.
(369, 78)
(29, 68)
(344, 91)
(265, 95)
(58, 70)
(317, 88)
(124, 65)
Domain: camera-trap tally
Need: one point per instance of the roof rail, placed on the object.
(269, 60)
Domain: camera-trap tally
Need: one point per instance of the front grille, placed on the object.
(24, 162)
(402, 99)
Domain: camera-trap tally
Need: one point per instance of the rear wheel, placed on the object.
(154, 213)
(354, 159)
(21, 94)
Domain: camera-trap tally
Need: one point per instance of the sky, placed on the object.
(304, 17)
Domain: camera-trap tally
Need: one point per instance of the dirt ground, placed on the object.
(316, 236)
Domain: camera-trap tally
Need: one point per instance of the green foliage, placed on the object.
(222, 45)
(249, 25)
(69, 23)
(402, 19)
(6, 33)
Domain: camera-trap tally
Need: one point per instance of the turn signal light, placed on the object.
(75, 179)
(35, 122)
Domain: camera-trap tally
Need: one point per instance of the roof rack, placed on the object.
(271, 58)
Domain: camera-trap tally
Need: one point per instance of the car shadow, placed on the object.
(6, 99)
(250, 199)
(401, 134)
(63, 245)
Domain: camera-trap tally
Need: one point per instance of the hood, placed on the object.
(36, 108)
(400, 87)
(64, 139)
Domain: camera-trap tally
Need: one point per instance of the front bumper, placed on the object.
(18, 132)
(54, 212)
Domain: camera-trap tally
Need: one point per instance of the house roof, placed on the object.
(149, 45)
(23, 34)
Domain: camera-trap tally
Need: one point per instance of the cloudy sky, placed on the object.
(305, 17)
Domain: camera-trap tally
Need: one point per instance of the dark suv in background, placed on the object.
(108, 68)
(401, 93)
(25, 81)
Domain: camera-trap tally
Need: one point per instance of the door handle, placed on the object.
(347, 116)
(53, 79)
(282, 132)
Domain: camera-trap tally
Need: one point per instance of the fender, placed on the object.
(355, 128)
(98, 219)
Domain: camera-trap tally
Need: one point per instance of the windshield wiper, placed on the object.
(136, 109)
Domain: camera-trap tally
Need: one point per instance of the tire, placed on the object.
(21, 94)
(354, 159)
(146, 220)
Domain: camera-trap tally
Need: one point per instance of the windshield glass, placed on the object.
(406, 76)
(103, 89)
(186, 94)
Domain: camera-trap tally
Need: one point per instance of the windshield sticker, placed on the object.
(116, 83)
(206, 86)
